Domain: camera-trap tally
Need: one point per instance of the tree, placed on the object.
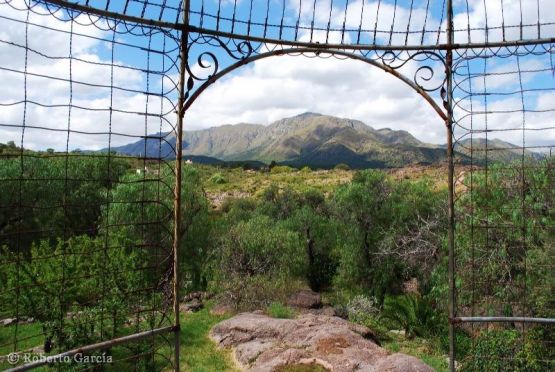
(312, 221)
(387, 227)
(255, 259)
(505, 237)
(62, 196)
(77, 289)
(141, 209)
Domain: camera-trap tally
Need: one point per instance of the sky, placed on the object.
(272, 88)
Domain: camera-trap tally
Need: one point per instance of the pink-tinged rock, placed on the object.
(305, 299)
(262, 343)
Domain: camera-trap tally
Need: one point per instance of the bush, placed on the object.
(87, 266)
(257, 260)
(280, 311)
(247, 293)
(239, 205)
(506, 350)
(383, 224)
(218, 179)
(342, 166)
(279, 204)
(128, 209)
(411, 313)
(517, 259)
(463, 341)
(360, 307)
(281, 169)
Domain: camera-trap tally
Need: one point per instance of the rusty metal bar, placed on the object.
(498, 44)
(106, 13)
(84, 349)
(200, 30)
(451, 180)
(502, 319)
(178, 174)
(280, 52)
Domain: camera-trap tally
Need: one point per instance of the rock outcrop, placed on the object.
(305, 299)
(262, 343)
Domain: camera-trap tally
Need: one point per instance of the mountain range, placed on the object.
(316, 140)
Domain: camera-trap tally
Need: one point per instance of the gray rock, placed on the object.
(401, 363)
(305, 299)
(262, 343)
(8, 321)
(191, 307)
(221, 309)
(328, 310)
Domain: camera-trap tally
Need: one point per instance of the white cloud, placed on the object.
(389, 19)
(48, 89)
(503, 19)
(262, 92)
(277, 87)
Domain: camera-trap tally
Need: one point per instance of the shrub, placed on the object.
(247, 293)
(280, 311)
(506, 350)
(257, 260)
(383, 224)
(238, 205)
(360, 307)
(411, 313)
(517, 259)
(87, 266)
(342, 166)
(218, 179)
(279, 204)
(319, 240)
(281, 169)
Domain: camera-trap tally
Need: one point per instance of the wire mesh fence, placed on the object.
(89, 237)
(505, 245)
(86, 234)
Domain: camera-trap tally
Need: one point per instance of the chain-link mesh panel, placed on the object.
(85, 233)
(504, 113)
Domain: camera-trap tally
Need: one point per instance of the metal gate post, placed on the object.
(177, 191)
(450, 175)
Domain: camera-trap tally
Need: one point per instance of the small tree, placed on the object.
(257, 258)
(59, 287)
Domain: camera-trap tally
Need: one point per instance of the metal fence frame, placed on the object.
(190, 87)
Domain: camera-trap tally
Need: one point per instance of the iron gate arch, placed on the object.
(231, 39)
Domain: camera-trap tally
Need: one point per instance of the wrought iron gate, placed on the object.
(485, 67)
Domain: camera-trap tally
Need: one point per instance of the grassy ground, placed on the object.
(420, 348)
(221, 183)
(253, 182)
(28, 336)
(198, 352)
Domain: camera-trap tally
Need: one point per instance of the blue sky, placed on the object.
(273, 88)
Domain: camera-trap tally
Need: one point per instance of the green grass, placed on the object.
(420, 348)
(198, 352)
(301, 368)
(28, 336)
(254, 182)
(278, 310)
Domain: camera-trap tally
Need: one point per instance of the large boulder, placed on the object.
(305, 299)
(262, 343)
